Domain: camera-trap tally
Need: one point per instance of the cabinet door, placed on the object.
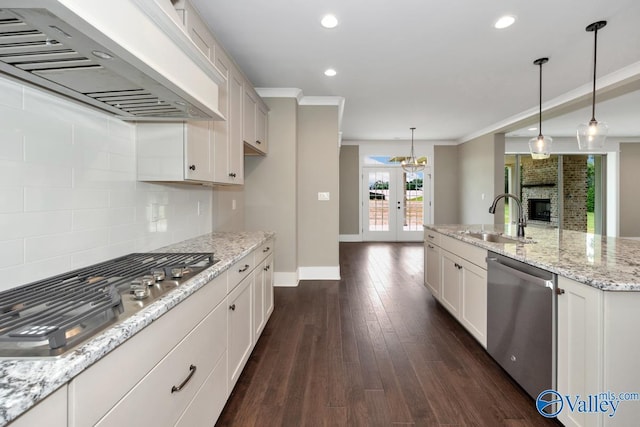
(240, 335)
(432, 269)
(268, 287)
(579, 347)
(196, 148)
(261, 127)
(236, 146)
(258, 300)
(249, 113)
(220, 135)
(473, 312)
(450, 275)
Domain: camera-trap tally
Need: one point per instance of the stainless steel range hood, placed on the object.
(126, 57)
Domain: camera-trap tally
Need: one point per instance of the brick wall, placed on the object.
(574, 170)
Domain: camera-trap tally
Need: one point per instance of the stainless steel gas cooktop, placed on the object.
(53, 316)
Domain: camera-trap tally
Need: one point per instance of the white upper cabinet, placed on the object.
(227, 136)
(174, 151)
(255, 122)
(206, 152)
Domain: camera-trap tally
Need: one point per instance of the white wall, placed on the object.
(68, 190)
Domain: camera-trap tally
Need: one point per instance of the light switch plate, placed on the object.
(323, 195)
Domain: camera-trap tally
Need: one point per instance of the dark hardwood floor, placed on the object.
(373, 349)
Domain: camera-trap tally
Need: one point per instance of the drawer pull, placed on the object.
(267, 268)
(245, 268)
(232, 307)
(430, 247)
(431, 237)
(258, 141)
(192, 370)
(266, 249)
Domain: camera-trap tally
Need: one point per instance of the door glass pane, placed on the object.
(378, 201)
(413, 201)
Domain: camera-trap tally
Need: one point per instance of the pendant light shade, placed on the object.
(411, 163)
(540, 146)
(592, 135)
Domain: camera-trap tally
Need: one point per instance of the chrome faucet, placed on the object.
(522, 222)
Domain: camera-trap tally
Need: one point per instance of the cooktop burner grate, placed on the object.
(63, 308)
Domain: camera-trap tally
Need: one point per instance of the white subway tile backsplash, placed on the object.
(37, 248)
(11, 144)
(11, 253)
(84, 198)
(11, 199)
(11, 93)
(84, 219)
(68, 190)
(20, 225)
(47, 199)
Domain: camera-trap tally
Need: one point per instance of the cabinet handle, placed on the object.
(258, 141)
(192, 167)
(232, 307)
(458, 266)
(559, 291)
(245, 268)
(267, 268)
(192, 370)
(232, 174)
(266, 249)
(431, 247)
(431, 237)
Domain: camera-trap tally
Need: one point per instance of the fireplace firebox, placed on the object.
(540, 210)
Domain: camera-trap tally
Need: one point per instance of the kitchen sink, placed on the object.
(492, 237)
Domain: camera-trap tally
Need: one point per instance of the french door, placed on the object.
(393, 204)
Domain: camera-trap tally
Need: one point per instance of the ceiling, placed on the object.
(441, 66)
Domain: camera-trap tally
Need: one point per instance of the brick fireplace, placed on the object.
(540, 191)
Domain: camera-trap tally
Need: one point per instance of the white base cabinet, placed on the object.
(51, 412)
(456, 275)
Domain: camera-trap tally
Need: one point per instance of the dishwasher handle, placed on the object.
(520, 274)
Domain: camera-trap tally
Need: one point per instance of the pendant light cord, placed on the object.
(595, 56)
(540, 104)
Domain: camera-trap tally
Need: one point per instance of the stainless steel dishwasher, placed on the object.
(521, 322)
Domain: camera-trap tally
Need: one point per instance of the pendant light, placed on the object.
(411, 163)
(591, 136)
(540, 147)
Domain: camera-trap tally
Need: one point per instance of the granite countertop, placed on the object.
(24, 382)
(607, 263)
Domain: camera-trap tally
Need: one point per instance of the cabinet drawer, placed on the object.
(206, 407)
(473, 254)
(240, 269)
(173, 383)
(432, 237)
(97, 389)
(264, 251)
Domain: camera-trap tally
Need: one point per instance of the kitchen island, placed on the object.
(26, 382)
(597, 299)
(606, 263)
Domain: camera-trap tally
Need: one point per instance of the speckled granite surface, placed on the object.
(607, 263)
(24, 382)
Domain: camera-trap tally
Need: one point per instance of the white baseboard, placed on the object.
(285, 279)
(350, 238)
(319, 273)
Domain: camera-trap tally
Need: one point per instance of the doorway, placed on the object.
(393, 204)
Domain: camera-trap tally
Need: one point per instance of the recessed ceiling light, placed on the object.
(330, 72)
(532, 129)
(505, 21)
(329, 21)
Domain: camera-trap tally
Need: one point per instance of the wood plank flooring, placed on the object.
(373, 349)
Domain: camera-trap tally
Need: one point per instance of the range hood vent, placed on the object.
(44, 49)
